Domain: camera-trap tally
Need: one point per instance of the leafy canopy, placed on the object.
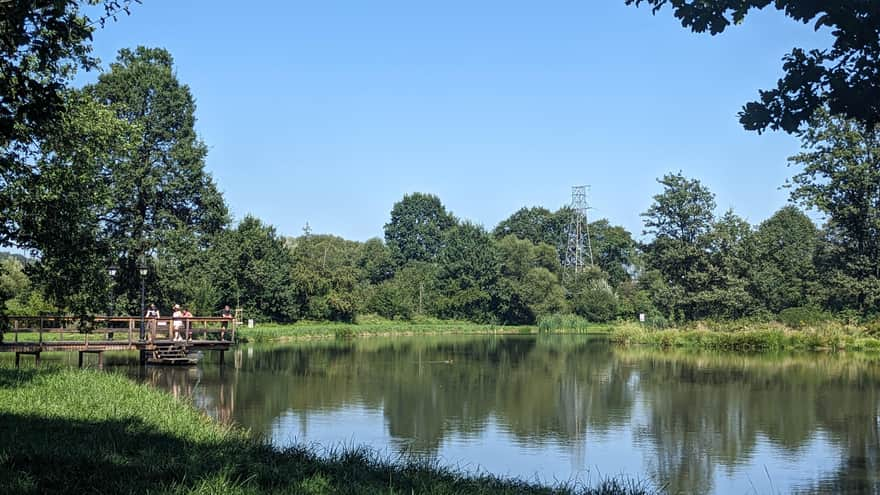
(845, 78)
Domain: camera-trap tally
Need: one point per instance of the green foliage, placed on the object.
(163, 202)
(528, 285)
(845, 78)
(43, 44)
(538, 225)
(415, 231)
(592, 297)
(614, 250)
(250, 267)
(558, 322)
(681, 219)
(840, 177)
(803, 316)
(468, 271)
(61, 210)
(783, 267)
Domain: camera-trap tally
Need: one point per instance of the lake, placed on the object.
(558, 408)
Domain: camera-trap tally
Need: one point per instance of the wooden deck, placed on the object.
(35, 335)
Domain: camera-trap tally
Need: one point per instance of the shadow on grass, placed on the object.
(45, 455)
(13, 378)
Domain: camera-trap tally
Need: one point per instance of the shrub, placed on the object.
(557, 322)
(802, 316)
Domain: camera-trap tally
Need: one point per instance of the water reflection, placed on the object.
(557, 406)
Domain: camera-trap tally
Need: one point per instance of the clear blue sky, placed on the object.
(329, 112)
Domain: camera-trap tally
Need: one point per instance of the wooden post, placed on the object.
(15, 326)
(221, 357)
(37, 360)
(80, 359)
(17, 359)
(100, 360)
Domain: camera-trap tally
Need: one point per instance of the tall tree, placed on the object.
(840, 177)
(415, 231)
(536, 224)
(468, 272)
(166, 207)
(61, 208)
(727, 294)
(614, 250)
(783, 251)
(845, 78)
(327, 277)
(250, 267)
(42, 44)
(680, 220)
(528, 285)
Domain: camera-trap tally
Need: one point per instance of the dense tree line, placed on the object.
(113, 174)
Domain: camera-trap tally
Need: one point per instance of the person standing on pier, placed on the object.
(177, 324)
(226, 314)
(187, 315)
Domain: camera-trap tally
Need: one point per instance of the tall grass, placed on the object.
(370, 325)
(569, 323)
(74, 431)
(762, 337)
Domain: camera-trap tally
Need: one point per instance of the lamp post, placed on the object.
(111, 270)
(143, 271)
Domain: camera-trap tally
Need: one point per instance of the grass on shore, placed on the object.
(370, 325)
(76, 431)
(749, 337)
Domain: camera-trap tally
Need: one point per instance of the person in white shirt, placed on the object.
(178, 322)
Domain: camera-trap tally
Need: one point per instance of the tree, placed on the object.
(614, 250)
(468, 272)
(727, 294)
(42, 44)
(528, 285)
(592, 297)
(165, 206)
(374, 259)
(783, 250)
(844, 78)
(840, 177)
(415, 231)
(327, 280)
(250, 267)
(536, 224)
(60, 210)
(680, 220)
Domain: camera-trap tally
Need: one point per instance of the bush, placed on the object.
(803, 316)
(560, 322)
(872, 328)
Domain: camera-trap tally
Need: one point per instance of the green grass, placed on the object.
(370, 326)
(75, 431)
(739, 336)
(568, 323)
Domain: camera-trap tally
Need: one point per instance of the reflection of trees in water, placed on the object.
(708, 411)
(429, 388)
(703, 411)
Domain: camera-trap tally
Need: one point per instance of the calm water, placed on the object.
(557, 408)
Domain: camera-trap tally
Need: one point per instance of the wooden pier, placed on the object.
(165, 340)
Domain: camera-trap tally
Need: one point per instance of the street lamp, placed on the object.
(143, 271)
(111, 270)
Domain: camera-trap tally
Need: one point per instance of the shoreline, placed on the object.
(729, 336)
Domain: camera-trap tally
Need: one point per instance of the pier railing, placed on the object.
(61, 330)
